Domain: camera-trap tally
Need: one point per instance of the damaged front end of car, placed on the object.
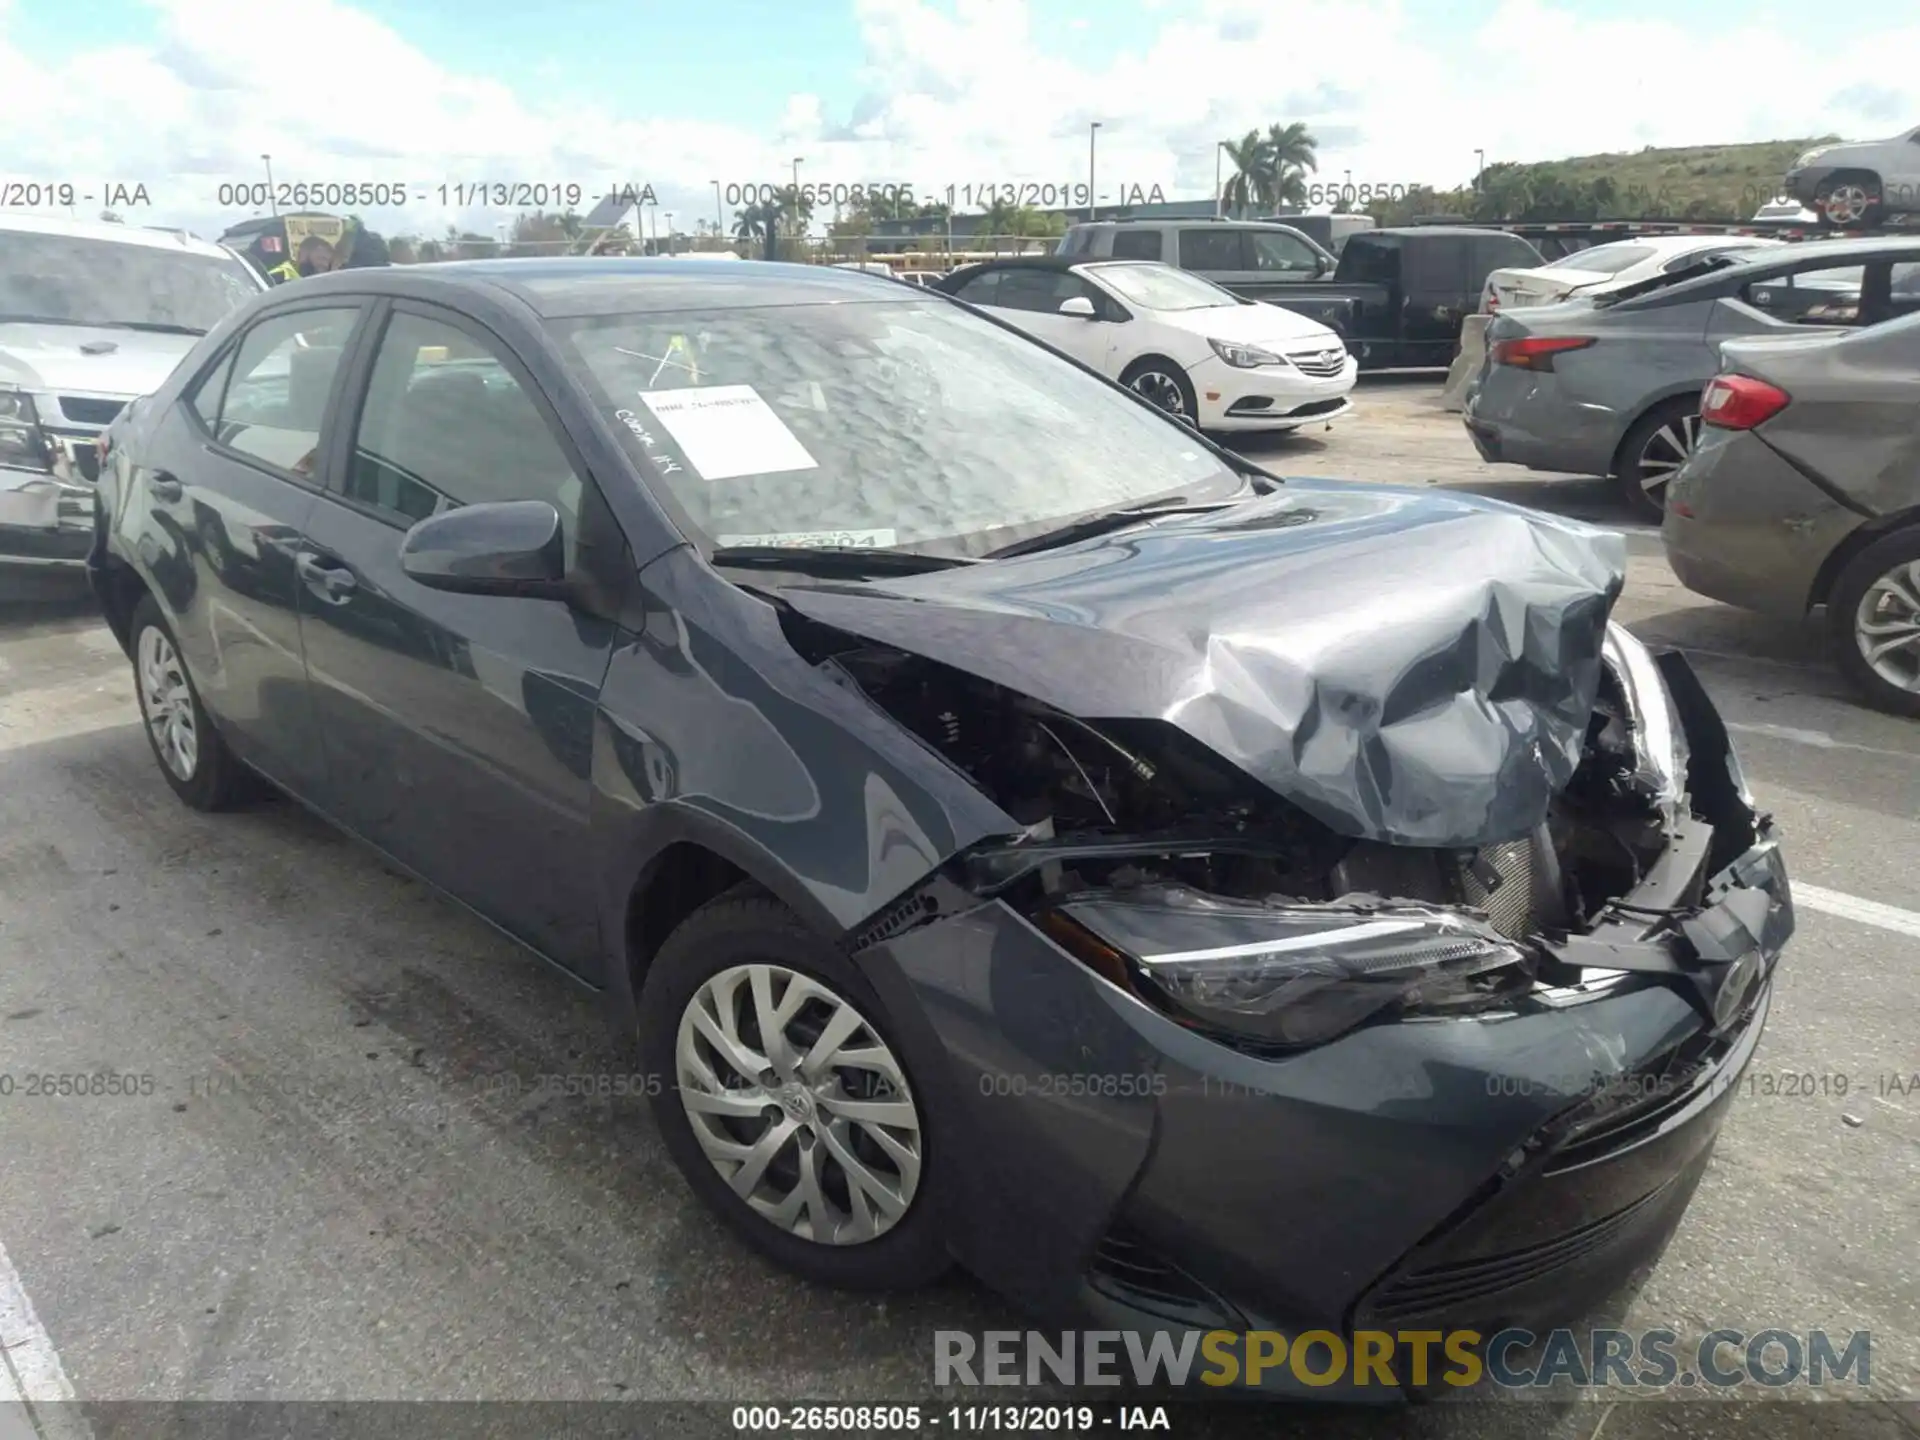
(1499, 1067)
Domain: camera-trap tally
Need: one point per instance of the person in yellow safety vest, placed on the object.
(317, 257)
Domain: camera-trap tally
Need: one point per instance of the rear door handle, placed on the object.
(164, 486)
(332, 581)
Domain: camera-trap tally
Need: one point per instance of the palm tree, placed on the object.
(1247, 186)
(1287, 153)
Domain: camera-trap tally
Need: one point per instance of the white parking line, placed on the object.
(31, 1375)
(1852, 907)
(1818, 739)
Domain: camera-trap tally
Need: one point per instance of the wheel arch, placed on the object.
(1660, 398)
(120, 588)
(1858, 539)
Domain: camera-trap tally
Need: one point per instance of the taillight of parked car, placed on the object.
(1739, 402)
(1536, 352)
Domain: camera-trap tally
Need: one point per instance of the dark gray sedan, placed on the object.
(1805, 490)
(1612, 386)
(1011, 826)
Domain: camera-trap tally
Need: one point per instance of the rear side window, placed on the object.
(1078, 241)
(981, 289)
(1136, 245)
(208, 394)
(1214, 249)
(1437, 265)
(282, 375)
(1369, 260)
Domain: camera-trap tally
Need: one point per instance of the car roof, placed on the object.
(1397, 232)
(571, 286)
(33, 223)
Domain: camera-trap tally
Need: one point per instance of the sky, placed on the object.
(181, 97)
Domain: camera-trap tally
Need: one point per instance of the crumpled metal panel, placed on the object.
(1414, 667)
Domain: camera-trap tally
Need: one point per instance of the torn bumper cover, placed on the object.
(1515, 1164)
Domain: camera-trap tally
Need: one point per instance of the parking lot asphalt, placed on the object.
(320, 1193)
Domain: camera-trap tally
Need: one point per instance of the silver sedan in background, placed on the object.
(1611, 386)
(1804, 490)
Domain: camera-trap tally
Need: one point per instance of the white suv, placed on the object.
(92, 315)
(1858, 185)
(1175, 339)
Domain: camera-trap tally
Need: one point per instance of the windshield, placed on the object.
(1161, 287)
(903, 424)
(70, 280)
(1605, 259)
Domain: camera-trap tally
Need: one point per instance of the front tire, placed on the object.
(1874, 612)
(786, 1100)
(1653, 452)
(193, 758)
(1164, 384)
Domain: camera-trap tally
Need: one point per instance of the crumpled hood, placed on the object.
(125, 362)
(1412, 667)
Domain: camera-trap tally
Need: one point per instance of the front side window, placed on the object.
(282, 375)
(1811, 297)
(1275, 251)
(68, 280)
(446, 423)
(892, 423)
(1215, 250)
(1041, 291)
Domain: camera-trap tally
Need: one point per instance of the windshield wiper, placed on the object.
(837, 559)
(159, 326)
(1087, 526)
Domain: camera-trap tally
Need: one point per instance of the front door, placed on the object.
(459, 728)
(1031, 296)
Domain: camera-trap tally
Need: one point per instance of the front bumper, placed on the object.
(1460, 1172)
(1272, 397)
(1745, 527)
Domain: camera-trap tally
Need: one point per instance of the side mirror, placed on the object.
(1080, 307)
(513, 547)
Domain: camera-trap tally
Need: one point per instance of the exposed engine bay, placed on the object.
(1164, 809)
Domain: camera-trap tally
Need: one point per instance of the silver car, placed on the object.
(92, 314)
(1611, 386)
(1859, 184)
(1805, 490)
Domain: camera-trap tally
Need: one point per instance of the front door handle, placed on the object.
(165, 487)
(328, 579)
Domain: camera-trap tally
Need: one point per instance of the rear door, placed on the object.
(459, 727)
(231, 477)
(1434, 274)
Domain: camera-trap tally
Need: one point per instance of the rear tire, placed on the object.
(1850, 202)
(1164, 384)
(709, 971)
(1874, 614)
(1652, 453)
(192, 757)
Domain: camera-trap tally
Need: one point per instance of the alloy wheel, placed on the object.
(800, 1105)
(1162, 389)
(1847, 204)
(166, 703)
(1886, 626)
(1664, 453)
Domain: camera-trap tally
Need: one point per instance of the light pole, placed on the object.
(1093, 193)
(1219, 150)
(1479, 167)
(669, 232)
(718, 224)
(267, 160)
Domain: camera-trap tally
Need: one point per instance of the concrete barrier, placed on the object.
(1466, 365)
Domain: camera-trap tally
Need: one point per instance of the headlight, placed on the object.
(23, 445)
(1291, 975)
(1245, 357)
(1659, 741)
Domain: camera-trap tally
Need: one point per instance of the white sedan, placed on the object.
(1182, 342)
(1612, 266)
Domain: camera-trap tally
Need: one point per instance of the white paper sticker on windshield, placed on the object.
(728, 430)
(848, 539)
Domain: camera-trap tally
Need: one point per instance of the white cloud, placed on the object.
(958, 94)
